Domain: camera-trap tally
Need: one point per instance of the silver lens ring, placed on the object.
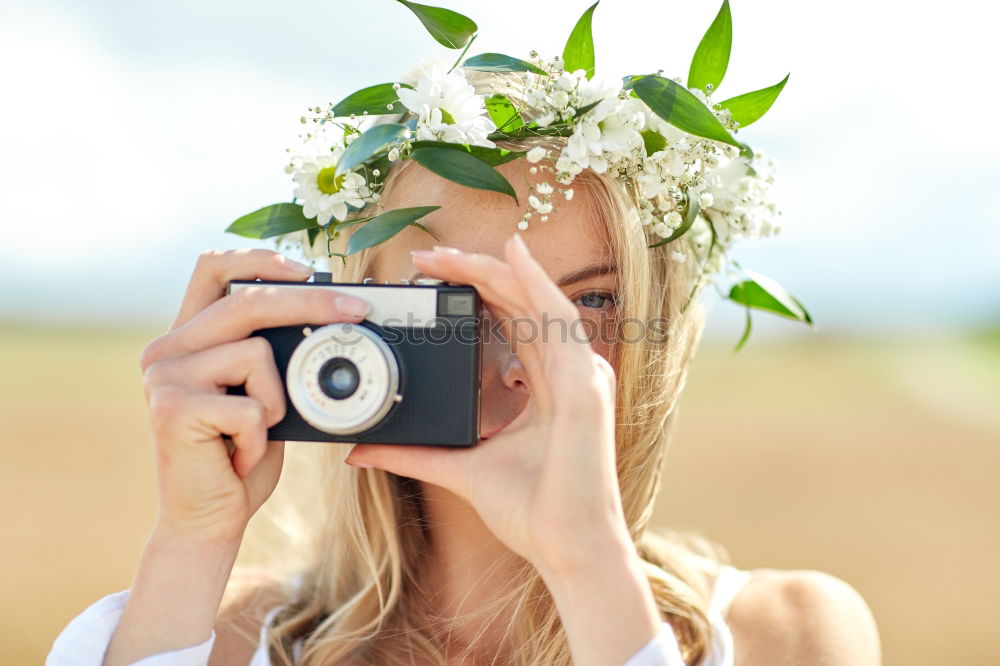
(377, 371)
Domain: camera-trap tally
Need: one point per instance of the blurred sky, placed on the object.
(133, 131)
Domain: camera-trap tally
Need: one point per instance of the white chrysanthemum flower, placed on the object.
(448, 109)
(607, 135)
(591, 90)
(324, 194)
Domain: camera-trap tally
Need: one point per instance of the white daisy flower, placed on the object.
(448, 109)
(324, 194)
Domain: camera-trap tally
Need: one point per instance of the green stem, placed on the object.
(525, 132)
(464, 51)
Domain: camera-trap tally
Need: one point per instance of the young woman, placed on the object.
(531, 547)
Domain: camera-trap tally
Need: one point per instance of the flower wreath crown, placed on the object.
(671, 144)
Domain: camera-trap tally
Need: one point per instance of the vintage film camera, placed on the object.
(408, 374)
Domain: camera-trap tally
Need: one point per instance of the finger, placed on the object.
(243, 419)
(490, 276)
(248, 362)
(215, 268)
(498, 287)
(262, 476)
(497, 282)
(441, 466)
(528, 293)
(546, 296)
(236, 315)
(179, 414)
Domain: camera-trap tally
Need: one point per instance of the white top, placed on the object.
(85, 639)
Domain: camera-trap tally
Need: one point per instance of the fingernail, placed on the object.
(421, 254)
(446, 250)
(520, 243)
(362, 465)
(351, 306)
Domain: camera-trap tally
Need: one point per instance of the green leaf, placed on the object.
(385, 226)
(653, 141)
(749, 107)
(492, 156)
(711, 58)
(373, 99)
(463, 168)
(369, 143)
(690, 215)
(273, 220)
(579, 50)
(503, 114)
(676, 105)
(746, 334)
(497, 62)
(449, 28)
(586, 107)
(763, 293)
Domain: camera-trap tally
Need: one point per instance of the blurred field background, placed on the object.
(872, 459)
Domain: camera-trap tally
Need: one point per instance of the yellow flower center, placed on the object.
(328, 181)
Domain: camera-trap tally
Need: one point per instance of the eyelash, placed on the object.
(608, 297)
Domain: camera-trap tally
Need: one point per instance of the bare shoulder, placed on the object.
(250, 594)
(802, 617)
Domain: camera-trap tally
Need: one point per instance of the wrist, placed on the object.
(175, 596)
(166, 535)
(607, 607)
(602, 565)
(597, 548)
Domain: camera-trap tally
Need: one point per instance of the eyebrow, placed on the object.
(592, 270)
(589, 271)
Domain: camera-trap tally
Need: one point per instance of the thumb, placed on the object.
(441, 466)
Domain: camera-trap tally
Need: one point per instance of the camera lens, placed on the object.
(343, 378)
(338, 378)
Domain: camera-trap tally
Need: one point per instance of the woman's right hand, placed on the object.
(206, 493)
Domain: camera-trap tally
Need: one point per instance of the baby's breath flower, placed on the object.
(673, 219)
(536, 154)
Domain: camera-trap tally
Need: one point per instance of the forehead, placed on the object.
(474, 220)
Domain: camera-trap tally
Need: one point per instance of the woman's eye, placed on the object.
(596, 299)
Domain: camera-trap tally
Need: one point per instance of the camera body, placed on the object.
(410, 373)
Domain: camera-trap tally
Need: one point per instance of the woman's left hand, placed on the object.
(546, 484)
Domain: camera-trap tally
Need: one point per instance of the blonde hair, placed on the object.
(361, 533)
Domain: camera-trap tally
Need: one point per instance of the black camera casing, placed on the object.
(433, 331)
